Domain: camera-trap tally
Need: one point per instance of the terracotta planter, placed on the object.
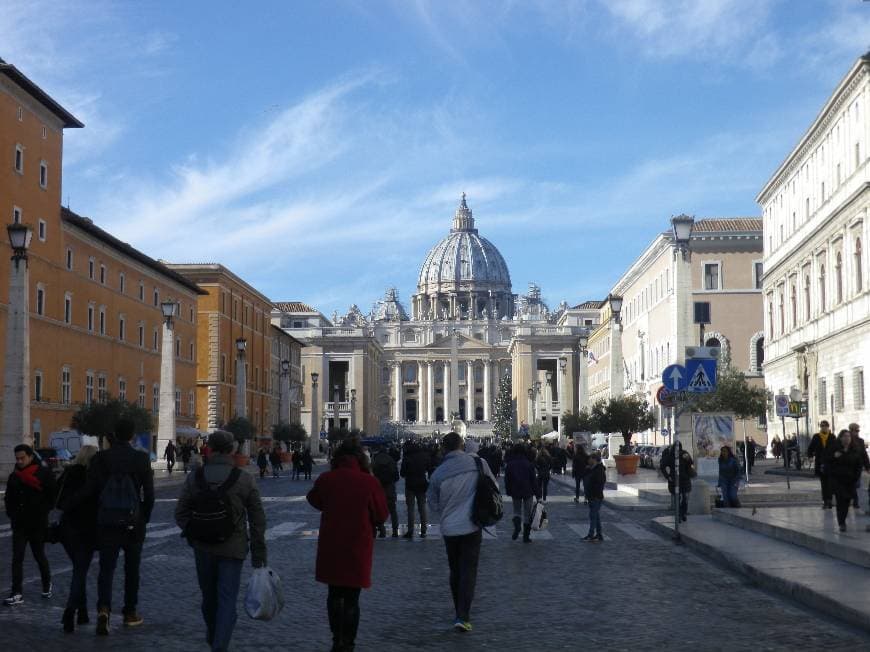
(626, 464)
(242, 460)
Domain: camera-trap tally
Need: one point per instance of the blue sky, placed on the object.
(319, 149)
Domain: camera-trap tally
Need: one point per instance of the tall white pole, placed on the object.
(469, 390)
(166, 407)
(430, 391)
(16, 368)
(487, 393)
(314, 435)
(397, 391)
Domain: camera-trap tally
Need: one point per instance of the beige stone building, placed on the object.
(628, 357)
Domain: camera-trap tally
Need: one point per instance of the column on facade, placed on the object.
(397, 391)
(421, 384)
(447, 384)
(487, 396)
(430, 391)
(469, 390)
(617, 375)
(583, 381)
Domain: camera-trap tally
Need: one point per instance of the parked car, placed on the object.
(656, 456)
(54, 458)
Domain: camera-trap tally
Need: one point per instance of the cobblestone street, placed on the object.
(634, 591)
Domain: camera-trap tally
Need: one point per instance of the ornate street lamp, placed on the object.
(682, 227)
(20, 236)
(282, 388)
(241, 345)
(615, 306)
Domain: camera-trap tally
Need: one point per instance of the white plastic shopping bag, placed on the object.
(265, 597)
(539, 516)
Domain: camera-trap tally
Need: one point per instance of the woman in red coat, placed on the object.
(352, 502)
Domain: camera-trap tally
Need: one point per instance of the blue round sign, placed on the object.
(675, 378)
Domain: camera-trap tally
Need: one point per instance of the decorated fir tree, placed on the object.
(503, 412)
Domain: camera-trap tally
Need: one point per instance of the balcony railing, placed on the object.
(343, 406)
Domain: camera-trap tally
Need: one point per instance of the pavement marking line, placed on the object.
(283, 499)
(166, 500)
(541, 535)
(160, 534)
(282, 530)
(149, 526)
(309, 534)
(636, 532)
(580, 530)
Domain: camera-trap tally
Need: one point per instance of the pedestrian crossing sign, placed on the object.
(702, 375)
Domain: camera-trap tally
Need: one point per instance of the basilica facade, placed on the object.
(396, 369)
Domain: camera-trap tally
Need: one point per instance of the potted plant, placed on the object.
(626, 415)
(243, 431)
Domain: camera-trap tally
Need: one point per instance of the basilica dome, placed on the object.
(464, 261)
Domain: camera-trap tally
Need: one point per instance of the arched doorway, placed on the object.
(462, 409)
(410, 409)
(478, 413)
(439, 414)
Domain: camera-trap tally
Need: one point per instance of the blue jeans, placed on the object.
(595, 516)
(729, 494)
(219, 580)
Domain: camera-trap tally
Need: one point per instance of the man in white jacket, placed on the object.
(452, 488)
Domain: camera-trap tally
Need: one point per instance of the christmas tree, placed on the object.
(503, 411)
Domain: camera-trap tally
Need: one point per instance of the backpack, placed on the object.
(386, 472)
(487, 508)
(119, 502)
(211, 514)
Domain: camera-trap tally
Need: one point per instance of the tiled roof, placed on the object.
(727, 224)
(588, 305)
(293, 306)
(86, 224)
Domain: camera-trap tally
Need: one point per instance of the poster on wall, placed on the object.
(710, 432)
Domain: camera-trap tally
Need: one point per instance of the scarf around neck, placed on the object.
(27, 475)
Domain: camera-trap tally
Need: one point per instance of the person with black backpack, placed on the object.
(416, 465)
(219, 512)
(123, 483)
(454, 492)
(386, 470)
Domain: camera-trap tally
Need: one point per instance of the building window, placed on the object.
(711, 276)
(122, 328)
(19, 159)
(757, 274)
(90, 318)
(822, 396)
(156, 297)
(192, 352)
(807, 297)
(89, 388)
(67, 308)
(69, 259)
(839, 394)
(40, 300)
(759, 354)
(859, 266)
(177, 347)
(16, 215)
(156, 340)
(37, 386)
(858, 387)
(191, 314)
(102, 320)
(191, 403)
(103, 274)
(838, 277)
(122, 389)
(141, 291)
(794, 303)
(91, 268)
(141, 394)
(43, 174)
(102, 391)
(155, 398)
(122, 283)
(857, 155)
(781, 294)
(822, 297)
(66, 386)
(20, 114)
(40, 230)
(44, 133)
(141, 335)
(177, 401)
(223, 367)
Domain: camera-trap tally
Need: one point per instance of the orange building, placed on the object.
(95, 314)
(231, 310)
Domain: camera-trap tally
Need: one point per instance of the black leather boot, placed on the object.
(517, 524)
(527, 533)
(68, 620)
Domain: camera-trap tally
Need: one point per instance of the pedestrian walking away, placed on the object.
(451, 493)
(821, 445)
(186, 454)
(521, 484)
(860, 447)
(169, 455)
(595, 495)
(219, 511)
(351, 502)
(78, 535)
(544, 463)
(307, 464)
(122, 482)
(844, 470)
(28, 499)
(416, 466)
(687, 472)
(262, 462)
(579, 468)
(729, 477)
(386, 470)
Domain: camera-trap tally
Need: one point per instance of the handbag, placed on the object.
(264, 598)
(539, 516)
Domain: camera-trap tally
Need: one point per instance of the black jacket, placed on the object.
(844, 468)
(385, 469)
(520, 479)
(666, 466)
(820, 452)
(580, 466)
(415, 467)
(120, 458)
(27, 507)
(594, 483)
(83, 518)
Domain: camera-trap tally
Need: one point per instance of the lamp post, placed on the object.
(352, 409)
(536, 405)
(681, 328)
(560, 391)
(531, 393)
(314, 438)
(547, 394)
(583, 375)
(283, 390)
(16, 367)
(617, 373)
(336, 394)
(166, 406)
